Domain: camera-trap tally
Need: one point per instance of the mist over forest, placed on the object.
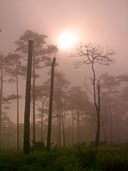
(74, 118)
(63, 77)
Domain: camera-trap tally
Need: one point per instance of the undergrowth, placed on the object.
(83, 158)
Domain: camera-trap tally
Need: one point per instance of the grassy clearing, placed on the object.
(70, 159)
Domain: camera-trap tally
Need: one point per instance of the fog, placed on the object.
(102, 22)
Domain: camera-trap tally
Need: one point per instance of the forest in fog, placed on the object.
(63, 85)
(76, 109)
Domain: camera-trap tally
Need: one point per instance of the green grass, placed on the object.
(84, 158)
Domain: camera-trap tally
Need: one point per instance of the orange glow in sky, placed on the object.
(66, 40)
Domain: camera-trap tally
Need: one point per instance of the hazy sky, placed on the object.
(101, 21)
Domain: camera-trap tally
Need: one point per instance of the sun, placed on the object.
(66, 40)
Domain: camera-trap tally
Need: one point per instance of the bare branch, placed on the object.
(93, 53)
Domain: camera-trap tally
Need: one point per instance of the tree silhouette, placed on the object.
(41, 54)
(42, 97)
(92, 54)
(27, 100)
(60, 92)
(50, 104)
(80, 106)
(15, 69)
(108, 86)
(2, 72)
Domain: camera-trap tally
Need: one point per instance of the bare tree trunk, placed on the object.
(62, 115)
(17, 90)
(110, 114)
(33, 90)
(59, 128)
(78, 128)
(57, 119)
(50, 105)
(97, 104)
(97, 140)
(42, 127)
(98, 115)
(42, 122)
(1, 101)
(63, 129)
(72, 128)
(27, 100)
(58, 125)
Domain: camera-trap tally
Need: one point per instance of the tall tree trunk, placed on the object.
(42, 122)
(42, 127)
(78, 128)
(97, 104)
(58, 103)
(63, 128)
(72, 128)
(62, 115)
(57, 123)
(59, 127)
(34, 131)
(110, 115)
(97, 140)
(50, 105)
(1, 101)
(17, 91)
(27, 100)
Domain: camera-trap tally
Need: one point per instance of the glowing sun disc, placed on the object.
(66, 40)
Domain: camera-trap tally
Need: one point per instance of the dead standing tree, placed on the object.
(27, 100)
(2, 62)
(50, 105)
(92, 54)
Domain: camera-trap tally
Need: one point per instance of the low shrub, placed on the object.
(83, 158)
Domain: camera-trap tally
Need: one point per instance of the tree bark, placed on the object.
(97, 140)
(34, 131)
(50, 105)
(42, 121)
(97, 104)
(17, 91)
(78, 128)
(110, 114)
(72, 128)
(1, 101)
(27, 100)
